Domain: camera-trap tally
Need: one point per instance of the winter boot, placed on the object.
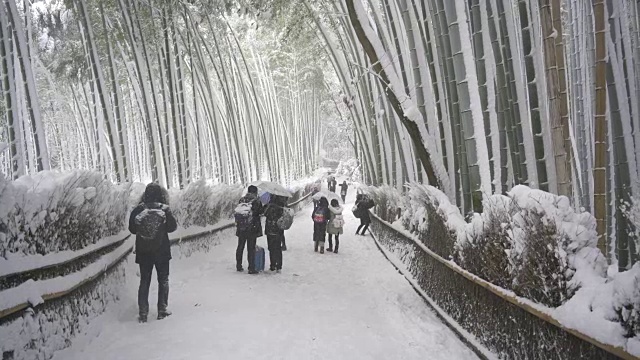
(335, 251)
(142, 319)
(163, 314)
(239, 269)
(329, 249)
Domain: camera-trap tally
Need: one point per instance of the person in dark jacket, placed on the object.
(343, 190)
(275, 235)
(154, 198)
(363, 204)
(250, 235)
(321, 215)
(332, 184)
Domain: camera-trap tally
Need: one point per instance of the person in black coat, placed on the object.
(275, 235)
(343, 190)
(363, 204)
(250, 235)
(155, 198)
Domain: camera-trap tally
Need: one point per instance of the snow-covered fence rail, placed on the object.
(52, 309)
(505, 324)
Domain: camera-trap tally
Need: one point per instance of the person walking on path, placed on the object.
(335, 225)
(331, 185)
(320, 216)
(343, 190)
(363, 204)
(275, 234)
(248, 227)
(152, 221)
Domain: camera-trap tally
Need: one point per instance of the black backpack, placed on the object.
(148, 225)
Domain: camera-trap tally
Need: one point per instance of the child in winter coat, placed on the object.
(335, 225)
(320, 216)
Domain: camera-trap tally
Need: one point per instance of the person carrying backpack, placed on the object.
(363, 204)
(152, 221)
(335, 225)
(320, 216)
(275, 234)
(248, 227)
(343, 190)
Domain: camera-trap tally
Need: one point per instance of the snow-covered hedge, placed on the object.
(202, 204)
(530, 241)
(50, 212)
(534, 244)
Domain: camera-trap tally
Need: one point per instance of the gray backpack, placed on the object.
(148, 225)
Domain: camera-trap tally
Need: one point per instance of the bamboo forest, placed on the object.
(444, 113)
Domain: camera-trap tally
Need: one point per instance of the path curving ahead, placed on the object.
(352, 305)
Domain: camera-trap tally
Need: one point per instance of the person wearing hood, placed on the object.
(335, 225)
(152, 221)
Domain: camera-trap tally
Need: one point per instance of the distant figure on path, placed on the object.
(363, 204)
(320, 216)
(343, 190)
(152, 221)
(248, 227)
(336, 223)
(332, 184)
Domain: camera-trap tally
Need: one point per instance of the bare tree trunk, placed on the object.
(412, 127)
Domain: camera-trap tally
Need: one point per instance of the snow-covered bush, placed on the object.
(50, 212)
(431, 216)
(626, 300)
(202, 204)
(485, 246)
(555, 246)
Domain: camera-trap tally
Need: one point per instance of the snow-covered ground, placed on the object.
(352, 305)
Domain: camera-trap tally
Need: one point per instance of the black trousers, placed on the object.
(162, 272)
(284, 244)
(250, 241)
(344, 197)
(318, 239)
(331, 241)
(364, 225)
(274, 244)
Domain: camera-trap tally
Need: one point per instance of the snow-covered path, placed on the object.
(352, 305)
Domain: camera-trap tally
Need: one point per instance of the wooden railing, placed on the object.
(117, 251)
(502, 323)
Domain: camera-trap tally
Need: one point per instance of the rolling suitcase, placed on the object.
(259, 259)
